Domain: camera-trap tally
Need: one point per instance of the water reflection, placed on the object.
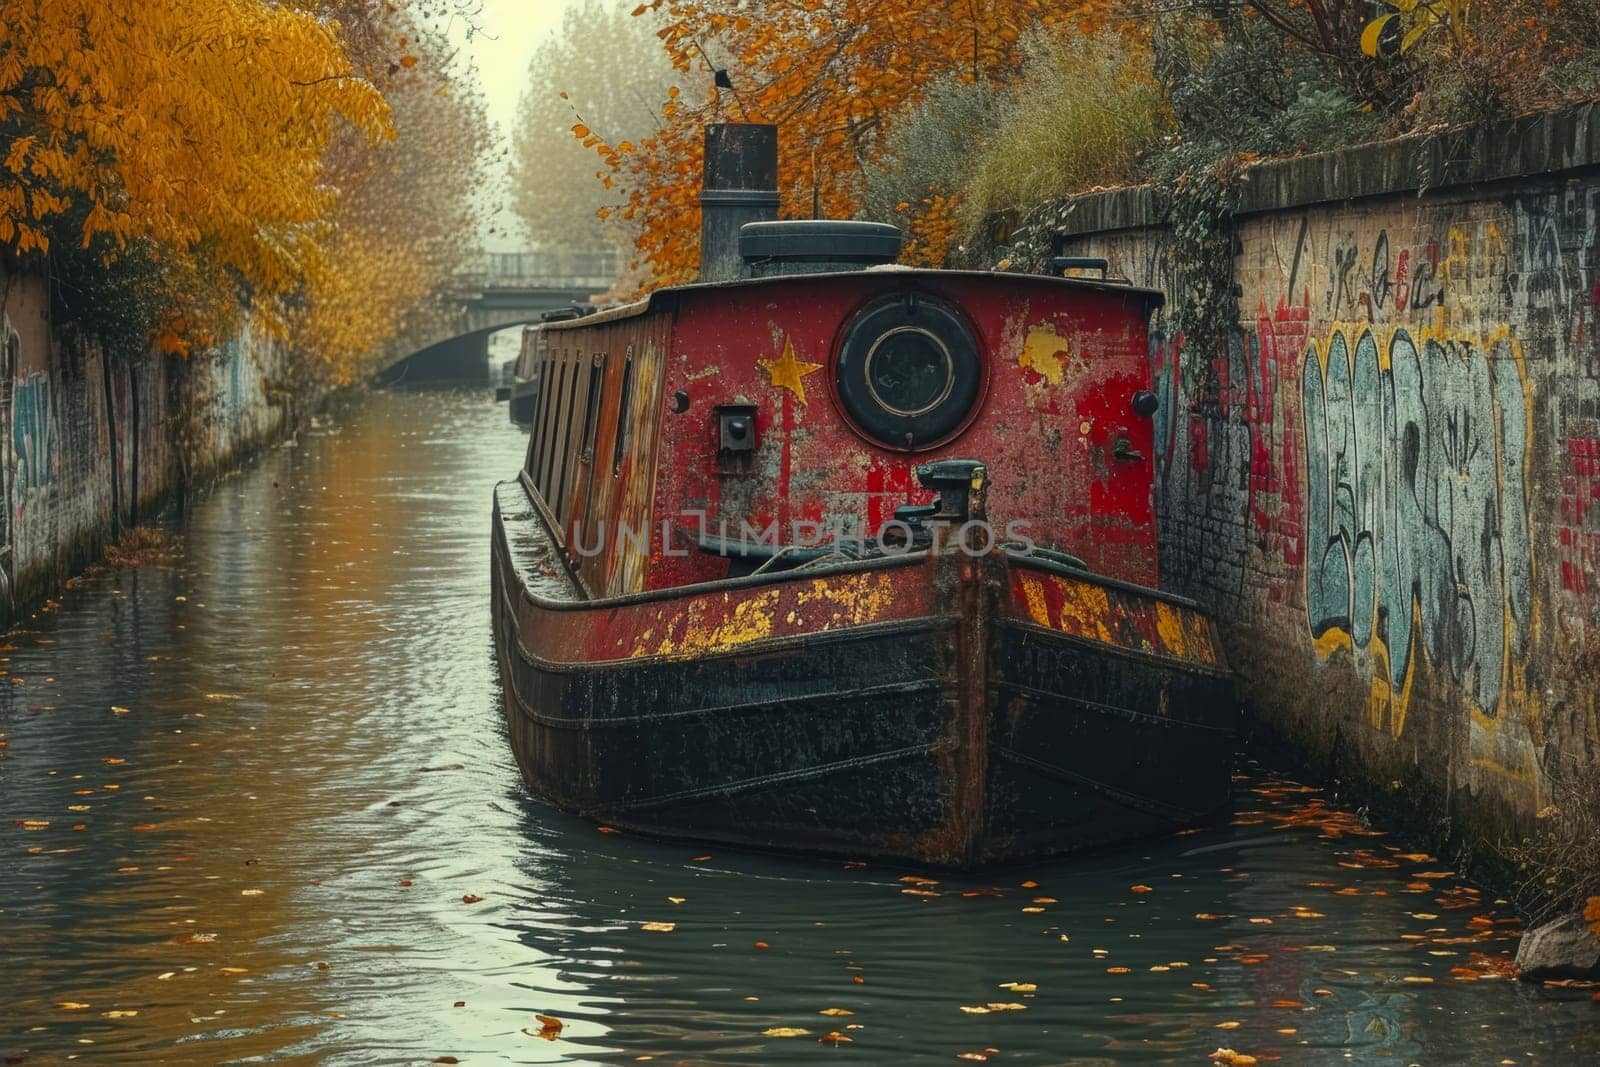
(256, 804)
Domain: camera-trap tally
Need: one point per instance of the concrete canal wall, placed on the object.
(1388, 485)
(90, 442)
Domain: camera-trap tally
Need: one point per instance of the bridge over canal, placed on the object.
(499, 291)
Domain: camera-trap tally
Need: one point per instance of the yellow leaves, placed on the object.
(550, 1027)
(1231, 1058)
(836, 1012)
(659, 927)
(1019, 987)
(785, 1031)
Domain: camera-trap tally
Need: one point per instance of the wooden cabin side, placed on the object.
(1054, 417)
(592, 443)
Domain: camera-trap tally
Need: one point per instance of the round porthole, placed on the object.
(908, 372)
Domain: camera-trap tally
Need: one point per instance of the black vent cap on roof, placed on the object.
(824, 240)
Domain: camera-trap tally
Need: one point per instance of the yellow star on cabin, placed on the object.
(786, 372)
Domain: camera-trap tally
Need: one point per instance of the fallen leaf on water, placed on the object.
(1286, 1002)
(1019, 987)
(784, 1031)
(1117, 970)
(78, 807)
(1418, 979)
(117, 710)
(857, 979)
(405, 883)
(835, 1011)
(762, 945)
(113, 761)
(1323, 992)
(912, 879)
(1139, 889)
(33, 824)
(445, 1059)
(1033, 909)
(1262, 922)
(72, 1005)
(1030, 884)
(1424, 915)
(608, 829)
(549, 1027)
(834, 1037)
(471, 898)
(975, 1009)
(1229, 1025)
(251, 892)
(659, 928)
(1434, 874)
(974, 1057)
(910, 892)
(676, 900)
(698, 859)
(165, 975)
(144, 827)
(232, 970)
(1228, 1056)
(1044, 900)
(1206, 916)
(1005, 1006)
(459, 1004)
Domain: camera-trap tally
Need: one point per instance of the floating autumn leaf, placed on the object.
(113, 761)
(550, 1027)
(124, 1014)
(975, 1009)
(118, 710)
(1019, 987)
(1005, 1006)
(659, 928)
(1235, 1059)
(233, 970)
(33, 824)
(72, 1005)
(1417, 979)
(471, 898)
(1030, 884)
(1229, 1025)
(251, 892)
(912, 879)
(676, 900)
(762, 945)
(784, 1031)
(1139, 889)
(834, 1037)
(836, 1011)
(1118, 970)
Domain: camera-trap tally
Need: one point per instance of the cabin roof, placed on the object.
(1153, 298)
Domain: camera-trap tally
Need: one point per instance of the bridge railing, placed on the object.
(566, 268)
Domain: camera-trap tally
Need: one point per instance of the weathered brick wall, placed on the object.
(89, 441)
(1388, 485)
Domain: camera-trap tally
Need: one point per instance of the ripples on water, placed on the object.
(267, 853)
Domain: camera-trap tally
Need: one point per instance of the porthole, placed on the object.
(908, 372)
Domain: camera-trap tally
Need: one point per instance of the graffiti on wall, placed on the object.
(32, 437)
(1417, 509)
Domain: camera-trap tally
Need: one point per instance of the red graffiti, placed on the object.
(1579, 531)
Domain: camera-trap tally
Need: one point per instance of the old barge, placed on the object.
(851, 561)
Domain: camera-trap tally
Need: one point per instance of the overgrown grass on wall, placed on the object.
(1082, 115)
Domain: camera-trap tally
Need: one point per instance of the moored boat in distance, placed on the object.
(829, 555)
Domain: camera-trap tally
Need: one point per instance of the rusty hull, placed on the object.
(944, 710)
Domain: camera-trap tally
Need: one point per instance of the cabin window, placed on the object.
(591, 408)
(552, 418)
(909, 372)
(564, 459)
(624, 415)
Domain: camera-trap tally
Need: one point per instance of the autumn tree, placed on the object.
(833, 74)
(603, 71)
(140, 125)
(405, 217)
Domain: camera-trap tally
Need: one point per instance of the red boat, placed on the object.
(835, 556)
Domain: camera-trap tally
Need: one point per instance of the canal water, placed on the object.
(256, 804)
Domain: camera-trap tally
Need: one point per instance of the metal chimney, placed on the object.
(740, 186)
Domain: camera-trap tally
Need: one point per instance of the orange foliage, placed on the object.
(833, 74)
